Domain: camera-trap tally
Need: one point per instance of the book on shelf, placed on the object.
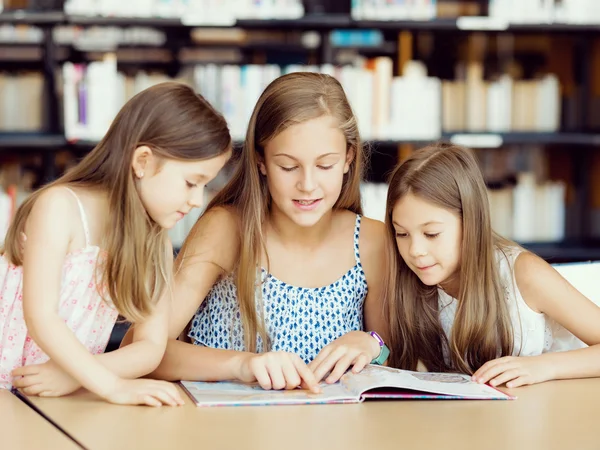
(191, 12)
(576, 12)
(374, 382)
(393, 10)
(21, 108)
(414, 106)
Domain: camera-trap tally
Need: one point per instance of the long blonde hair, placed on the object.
(176, 123)
(449, 177)
(290, 99)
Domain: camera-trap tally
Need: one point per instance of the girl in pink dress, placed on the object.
(97, 246)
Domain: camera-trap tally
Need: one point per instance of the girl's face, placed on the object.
(170, 188)
(429, 240)
(305, 166)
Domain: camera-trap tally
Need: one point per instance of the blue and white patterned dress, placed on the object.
(298, 320)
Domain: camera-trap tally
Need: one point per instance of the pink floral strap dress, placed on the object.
(81, 306)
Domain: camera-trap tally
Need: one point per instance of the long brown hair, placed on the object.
(176, 123)
(290, 99)
(449, 177)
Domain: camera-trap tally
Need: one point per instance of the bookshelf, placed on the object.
(47, 141)
(49, 18)
(581, 140)
(566, 251)
(308, 22)
(31, 141)
(482, 24)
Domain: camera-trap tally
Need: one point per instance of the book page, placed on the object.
(240, 394)
(451, 384)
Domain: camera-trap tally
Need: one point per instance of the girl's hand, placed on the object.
(515, 371)
(45, 380)
(143, 392)
(355, 348)
(277, 370)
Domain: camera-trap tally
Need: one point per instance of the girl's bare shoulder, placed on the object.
(216, 237)
(372, 236)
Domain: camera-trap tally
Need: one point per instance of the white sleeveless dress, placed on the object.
(534, 333)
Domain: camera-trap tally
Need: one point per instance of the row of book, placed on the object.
(526, 212)
(394, 9)
(20, 34)
(578, 12)
(501, 105)
(85, 39)
(108, 37)
(21, 102)
(226, 12)
(413, 106)
(499, 11)
(191, 12)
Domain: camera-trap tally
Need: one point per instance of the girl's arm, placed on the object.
(357, 348)
(149, 338)
(374, 262)
(546, 291)
(210, 252)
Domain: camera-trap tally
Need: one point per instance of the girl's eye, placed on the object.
(326, 167)
(288, 169)
(401, 235)
(432, 235)
(190, 185)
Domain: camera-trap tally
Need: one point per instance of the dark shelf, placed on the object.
(312, 22)
(82, 144)
(474, 24)
(565, 251)
(550, 138)
(332, 21)
(575, 139)
(308, 22)
(554, 28)
(32, 18)
(55, 141)
(31, 141)
(124, 21)
(427, 25)
(487, 139)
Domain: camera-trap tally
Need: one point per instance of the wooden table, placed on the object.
(554, 415)
(21, 428)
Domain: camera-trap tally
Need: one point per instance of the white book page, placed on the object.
(373, 377)
(240, 394)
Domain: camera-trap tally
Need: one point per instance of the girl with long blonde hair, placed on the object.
(461, 298)
(97, 246)
(281, 274)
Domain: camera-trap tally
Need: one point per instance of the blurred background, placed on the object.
(517, 80)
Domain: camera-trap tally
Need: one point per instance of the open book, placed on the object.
(373, 382)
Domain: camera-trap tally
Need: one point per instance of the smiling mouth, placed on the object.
(307, 202)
